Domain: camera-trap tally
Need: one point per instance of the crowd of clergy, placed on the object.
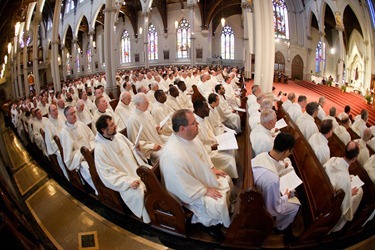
(172, 116)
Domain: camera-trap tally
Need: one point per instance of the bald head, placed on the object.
(366, 134)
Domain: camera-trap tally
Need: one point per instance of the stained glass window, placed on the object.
(125, 47)
(227, 43)
(152, 42)
(280, 19)
(319, 57)
(372, 12)
(69, 5)
(183, 39)
(88, 53)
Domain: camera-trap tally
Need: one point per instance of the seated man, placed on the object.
(342, 132)
(266, 171)
(306, 122)
(291, 99)
(103, 109)
(83, 114)
(189, 175)
(321, 113)
(172, 100)
(370, 168)
(160, 111)
(337, 169)
(38, 124)
(295, 110)
(254, 118)
(227, 115)
(116, 162)
(123, 109)
(73, 136)
(261, 136)
(359, 124)
(364, 153)
(150, 139)
(346, 113)
(224, 160)
(332, 116)
(214, 117)
(319, 141)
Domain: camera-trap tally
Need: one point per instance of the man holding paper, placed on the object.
(224, 160)
(160, 111)
(337, 169)
(266, 171)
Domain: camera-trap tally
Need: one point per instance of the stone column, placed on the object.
(55, 46)
(146, 17)
(109, 35)
(63, 61)
(264, 44)
(37, 20)
(25, 63)
(341, 53)
(248, 16)
(91, 34)
(191, 6)
(73, 63)
(19, 74)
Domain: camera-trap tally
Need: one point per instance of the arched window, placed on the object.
(183, 39)
(68, 64)
(78, 55)
(372, 12)
(320, 56)
(227, 43)
(69, 5)
(280, 19)
(125, 47)
(152, 43)
(88, 54)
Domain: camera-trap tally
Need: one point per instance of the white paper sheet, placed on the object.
(164, 121)
(356, 182)
(281, 124)
(239, 109)
(228, 130)
(289, 181)
(138, 136)
(226, 141)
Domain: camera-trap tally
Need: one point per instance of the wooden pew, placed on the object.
(52, 158)
(113, 104)
(320, 202)
(367, 205)
(165, 212)
(74, 176)
(107, 196)
(251, 223)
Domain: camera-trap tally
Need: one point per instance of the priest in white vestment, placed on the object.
(123, 109)
(346, 113)
(295, 110)
(183, 98)
(116, 162)
(228, 116)
(103, 109)
(83, 114)
(252, 98)
(53, 127)
(89, 105)
(189, 175)
(160, 111)
(359, 125)
(321, 113)
(254, 118)
(225, 159)
(306, 122)
(364, 153)
(266, 171)
(289, 101)
(73, 136)
(261, 136)
(37, 125)
(370, 168)
(319, 141)
(332, 116)
(150, 139)
(214, 117)
(204, 86)
(172, 101)
(342, 132)
(337, 169)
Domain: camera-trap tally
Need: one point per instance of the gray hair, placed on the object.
(266, 104)
(267, 115)
(139, 98)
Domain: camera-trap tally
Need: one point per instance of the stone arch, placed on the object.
(297, 67)
(279, 65)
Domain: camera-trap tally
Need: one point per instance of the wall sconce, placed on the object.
(222, 20)
(176, 24)
(332, 50)
(79, 50)
(94, 44)
(17, 28)
(140, 30)
(5, 59)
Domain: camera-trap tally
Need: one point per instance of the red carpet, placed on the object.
(334, 96)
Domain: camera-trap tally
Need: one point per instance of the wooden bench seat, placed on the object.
(53, 159)
(165, 212)
(320, 202)
(251, 223)
(107, 196)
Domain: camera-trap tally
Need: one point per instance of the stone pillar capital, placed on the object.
(247, 5)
